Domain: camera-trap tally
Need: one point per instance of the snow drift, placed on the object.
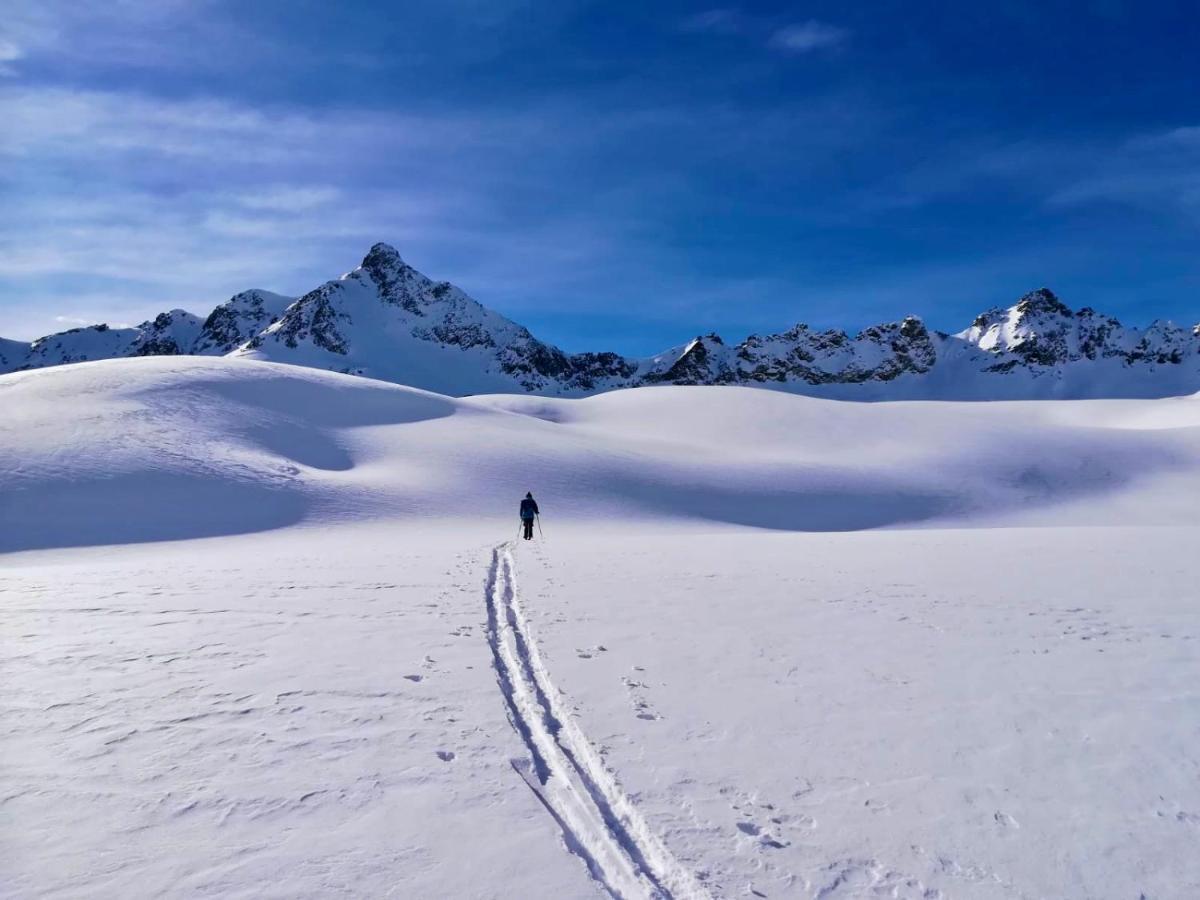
(381, 693)
(166, 448)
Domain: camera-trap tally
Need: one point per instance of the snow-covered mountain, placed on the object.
(386, 320)
(239, 319)
(167, 334)
(174, 333)
(13, 355)
(1036, 348)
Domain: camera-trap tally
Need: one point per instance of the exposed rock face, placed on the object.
(703, 361)
(801, 356)
(1040, 330)
(387, 320)
(167, 334)
(177, 332)
(312, 319)
(238, 320)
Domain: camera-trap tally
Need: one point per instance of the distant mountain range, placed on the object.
(388, 321)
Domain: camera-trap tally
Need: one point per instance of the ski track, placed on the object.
(600, 824)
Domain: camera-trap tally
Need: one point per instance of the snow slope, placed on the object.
(188, 447)
(267, 633)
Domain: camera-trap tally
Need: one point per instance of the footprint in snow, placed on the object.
(414, 678)
(446, 755)
(800, 819)
(641, 706)
(764, 839)
(1005, 820)
(1187, 818)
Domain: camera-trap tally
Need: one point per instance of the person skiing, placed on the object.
(529, 512)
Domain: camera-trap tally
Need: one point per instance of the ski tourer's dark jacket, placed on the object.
(528, 508)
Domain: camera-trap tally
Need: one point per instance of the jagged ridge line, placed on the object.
(807, 360)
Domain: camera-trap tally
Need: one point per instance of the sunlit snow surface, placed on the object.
(335, 678)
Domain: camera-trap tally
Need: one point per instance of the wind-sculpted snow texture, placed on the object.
(262, 638)
(115, 451)
(600, 823)
(388, 321)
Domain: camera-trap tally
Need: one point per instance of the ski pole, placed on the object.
(539, 521)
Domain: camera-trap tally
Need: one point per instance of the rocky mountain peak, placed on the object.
(387, 320)
(1043, 301)
(701, 362)
(397, 283)
(382, 256)
(383, 262)
(240, 319)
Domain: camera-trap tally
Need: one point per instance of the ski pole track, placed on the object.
(600, 824)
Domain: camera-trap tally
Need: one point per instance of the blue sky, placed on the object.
(615, 176)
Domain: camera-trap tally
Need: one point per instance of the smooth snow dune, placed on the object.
(168, 448)
(779, 460)
(160, 448)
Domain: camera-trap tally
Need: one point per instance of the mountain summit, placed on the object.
(388, 321)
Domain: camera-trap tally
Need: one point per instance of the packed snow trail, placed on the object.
(599, 822)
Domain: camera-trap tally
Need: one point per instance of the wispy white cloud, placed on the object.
(725, 20)
(186, 201)
(1155, 173)
(163, 35)
(1158, 172)
(9, 53)
(804, 37)
(289, 198)
(795, 37)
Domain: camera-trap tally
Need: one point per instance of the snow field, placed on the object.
(979, 713)
(267, 634)
(257, 716)
(171, 448)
